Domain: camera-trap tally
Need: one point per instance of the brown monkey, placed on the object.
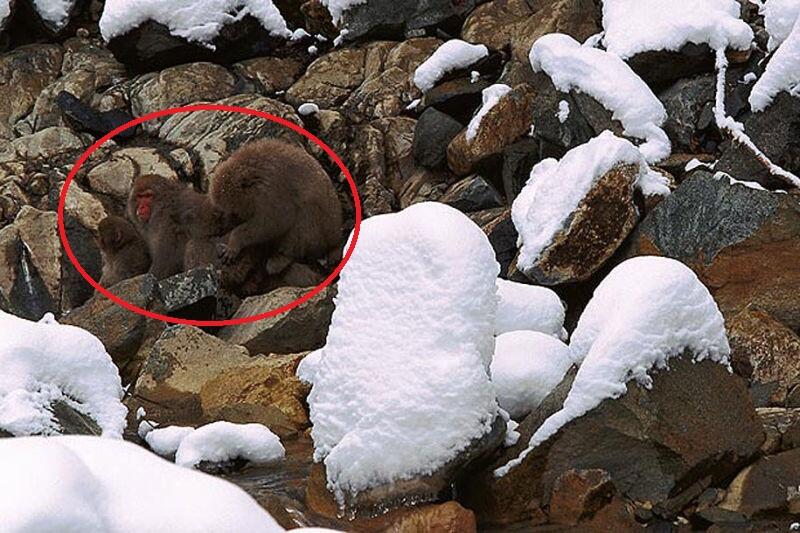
(123, 250)
(284, 200)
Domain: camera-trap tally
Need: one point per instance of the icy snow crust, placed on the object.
(526, 367)
(43, 362)
(81, 484)
(605, 77)
(491, 97)
(779, 19)
(636, 26)
(556, 188)
(194, 20)
(528, 307)
(452, 55)
(782, 72)
(402, 385)
(224, 441)
(647, 310)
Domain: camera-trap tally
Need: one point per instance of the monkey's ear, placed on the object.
(118, 236)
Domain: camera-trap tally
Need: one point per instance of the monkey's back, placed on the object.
(282, 184)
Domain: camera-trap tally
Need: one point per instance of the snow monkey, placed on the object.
(123, 250)
(283, 199)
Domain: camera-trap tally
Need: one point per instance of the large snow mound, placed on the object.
(526, 367)
(93, 484)
(452, 55)
(779, 19)
(647, 310)
(528, 307)
(194, 20)
(636, 26)
(45, 362)
(402, 384)
(609, 80)
(782, 72)
(225, 441)
(556, 188)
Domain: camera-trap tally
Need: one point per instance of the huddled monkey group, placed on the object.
(270, 216)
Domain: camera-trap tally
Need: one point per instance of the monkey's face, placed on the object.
(114, 233)
(144, 205)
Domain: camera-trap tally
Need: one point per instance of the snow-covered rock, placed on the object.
(491, 97)
(779, 19)
(93, 484)
(194, 20)
(165, 441)
(452, 55)
(44, 363)
(782, 72)
(54, 13)
(338, 7)
(527, 307)
(402, 385)
(223, 441)
(646, 311)
(556, 189)
(526, 367)
(606, 78)
(636, 26)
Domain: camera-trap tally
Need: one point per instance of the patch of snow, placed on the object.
(308, 366)
(452, 55)
(491, 97)
(140, 413)
(224, 441)
(782, 72)
(595, 40)
(92, 484)
(299, 33)
(337, 8)
(165, 441)
(145, 427)
(474, 76)
(308, 109)
(636, 26)
(512, 435)
(413, 105)
(194, 20)
(313, 50)
(605, 77)
(45, 362)
(779, 19)
(528, 307)
(563, 111)
(749, 78)
(402, 385)
(749, 184)
(5, 10)
(526, 367)
(556, 188)
(646, 311)
(55, 12)
(696, 163)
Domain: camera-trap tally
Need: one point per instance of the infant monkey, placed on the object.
(124, 252)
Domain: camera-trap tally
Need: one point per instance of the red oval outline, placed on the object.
(209, 107)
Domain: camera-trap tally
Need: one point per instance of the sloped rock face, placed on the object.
(768, 486)
(696, 426)
(742, 243)
(593, 233)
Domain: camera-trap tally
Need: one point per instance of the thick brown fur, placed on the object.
(123, 250)
(284, 200)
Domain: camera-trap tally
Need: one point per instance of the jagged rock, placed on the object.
(398, 138)
(766, 352)
(690, 115)
(519, 23)
(594, 231)
(695, 427)
(151, 46)
(375, 198)
(742, 243)
(179, 365)
(518, 160)
(191, 294)
(448, 517)
(660, 68)
(24, 73)
(768, 486)
(115, 174)
(498, 227)
(502, 125)
(127, 336)
(387, 19)
(272, 73)
(418, 489)
(433, 132)
(775, 132)
(85, 208)
(303, 328)
(177, 86)
(265, 390)
(457, 98)
(472, 194)
(212, 135)
(75, 290)
(83, 117)
(329, 80)
(48, 144)
(781, 427)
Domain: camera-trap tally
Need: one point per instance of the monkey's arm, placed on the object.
(254, 231)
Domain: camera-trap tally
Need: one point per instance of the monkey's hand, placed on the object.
(228, 252)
